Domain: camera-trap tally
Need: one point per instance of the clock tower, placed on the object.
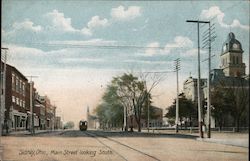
(231, 57)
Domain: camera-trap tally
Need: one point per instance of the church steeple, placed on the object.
(231, 57)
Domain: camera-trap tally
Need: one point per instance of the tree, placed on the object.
(231, 98)
(133, 93)
(125, 92)
(187, 109)
(220, 108)
(69, 125)
(110, 111)
(237, 98)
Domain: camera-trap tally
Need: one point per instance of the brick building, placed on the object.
(17, 113)
(17, 100)
(50, 112)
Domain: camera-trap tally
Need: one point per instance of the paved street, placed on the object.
(115, 146)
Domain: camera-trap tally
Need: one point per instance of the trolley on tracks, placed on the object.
(83, 125)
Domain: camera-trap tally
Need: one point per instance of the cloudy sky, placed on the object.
(76, 47)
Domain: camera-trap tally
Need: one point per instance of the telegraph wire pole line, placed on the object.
(177, 68)
(198, 81)
(3, 87)
(208, 41)
(32, 130)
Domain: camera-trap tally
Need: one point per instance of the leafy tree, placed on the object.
(132, 94)
(125, 92)
(69, 125)
(237, 98)
(220, 108)
(187, 109)
(110, 111)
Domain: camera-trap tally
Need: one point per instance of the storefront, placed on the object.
(18, 120)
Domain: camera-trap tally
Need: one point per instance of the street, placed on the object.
(89, 145)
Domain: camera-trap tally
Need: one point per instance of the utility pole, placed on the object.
(32, 130)
(3, 89)
(198, 81)
(208, 87)
(148, 102)
(177, 68)
(125, 118)
(148, 109)
(208, 40)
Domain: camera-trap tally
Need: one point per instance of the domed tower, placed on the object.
(231, 57)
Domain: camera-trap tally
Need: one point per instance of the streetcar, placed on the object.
(83, 125)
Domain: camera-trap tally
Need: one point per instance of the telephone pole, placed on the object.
(148, 104)
(177, 68)
(208, 39)
(3, 88)
(32, 130)
(198, 81)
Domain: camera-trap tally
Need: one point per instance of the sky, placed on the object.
(76, 47)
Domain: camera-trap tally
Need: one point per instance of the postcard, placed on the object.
(133, 80)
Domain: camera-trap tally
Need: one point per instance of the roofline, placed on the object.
(16, 70)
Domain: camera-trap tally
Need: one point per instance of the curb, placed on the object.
(234, 142)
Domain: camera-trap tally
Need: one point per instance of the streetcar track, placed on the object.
(129, 147)
(91, 135)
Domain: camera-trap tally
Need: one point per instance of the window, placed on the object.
(233, 59)
(237, 60)
(21, 103)
(13, 82)
(17, 84)
(17, 101)
(24, 104)
(20, 86)
(23, 88)
(13, 99)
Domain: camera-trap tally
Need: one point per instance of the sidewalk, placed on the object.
(234, 142)
(226, 138)
(25, 132)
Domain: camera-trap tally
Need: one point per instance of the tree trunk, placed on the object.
(139, 124)
(220, 125)
(131, 125)
(181, 122)
(238, 124)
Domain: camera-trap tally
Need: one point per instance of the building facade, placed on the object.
(231, 74)
(190, 88)
(50, 112)
(20, 97)
(17, 100)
